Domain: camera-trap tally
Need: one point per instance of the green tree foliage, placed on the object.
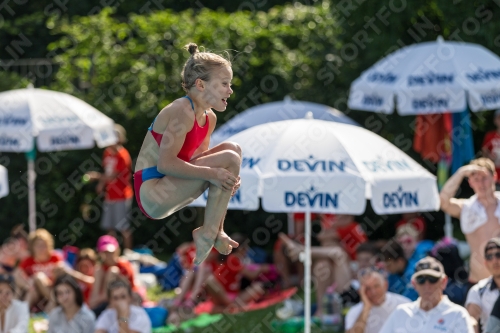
(131, 69)
(127, 63)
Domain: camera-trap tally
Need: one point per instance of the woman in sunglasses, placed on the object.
(432, 311)
(483, 295)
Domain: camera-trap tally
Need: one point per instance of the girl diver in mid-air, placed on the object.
(175, 165)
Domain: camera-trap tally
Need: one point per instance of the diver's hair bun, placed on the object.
(192, 48)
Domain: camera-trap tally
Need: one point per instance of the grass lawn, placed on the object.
(249, 322)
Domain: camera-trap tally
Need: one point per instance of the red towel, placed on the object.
(264, 302)
(432, 133)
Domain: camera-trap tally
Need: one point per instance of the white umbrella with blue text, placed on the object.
(310, 165)
(56, 121)
(432, 78)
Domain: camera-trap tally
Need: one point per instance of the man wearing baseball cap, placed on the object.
(432, 312)
(482, 296)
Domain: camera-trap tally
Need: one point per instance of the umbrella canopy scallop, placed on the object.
(430, 77)
(57, 120)
(322, 166)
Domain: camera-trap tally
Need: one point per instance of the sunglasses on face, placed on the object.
(423, 278)
(490, 256)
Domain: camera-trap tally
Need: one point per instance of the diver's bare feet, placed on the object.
(292, 247)
(224, 244)
(203, 245)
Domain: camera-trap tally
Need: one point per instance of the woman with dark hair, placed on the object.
(71, 314)
(14, 314)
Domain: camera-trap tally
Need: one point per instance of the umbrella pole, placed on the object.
(448, 226)
(31, 194)
(307, 274)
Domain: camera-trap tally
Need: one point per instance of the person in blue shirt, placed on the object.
(399, 270)
(408, 237)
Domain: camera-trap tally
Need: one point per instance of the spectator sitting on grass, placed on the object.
(111, 268)
(399, 271)
(433, 311)
(407, 237)
(14, 249)
(376, 304)
(85, 264)
(122, 315)
(71, 314)
(14, 314)
(367, 256)
(38, 272)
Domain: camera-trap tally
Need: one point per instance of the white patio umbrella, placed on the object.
(310, 165)
(276, 111)
(430, 77)
(57, 120)
(246, 198)
(4, 182)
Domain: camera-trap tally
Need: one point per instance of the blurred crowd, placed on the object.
(386, 284)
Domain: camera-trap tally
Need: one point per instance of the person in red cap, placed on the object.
(111, 268)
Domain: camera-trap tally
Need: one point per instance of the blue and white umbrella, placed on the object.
(310, 165)
(4, 182)
(276, 111)
(327, 167)
(57, 121)
(430, 77)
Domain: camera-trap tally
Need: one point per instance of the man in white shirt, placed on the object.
(376, 304)
(122, 316)
(483, 295)
(432, 312)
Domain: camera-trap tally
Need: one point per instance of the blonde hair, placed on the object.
(40, 234)
(87, 253)
(485, 163)
(200, 65)
(121, 133)
(407, 229)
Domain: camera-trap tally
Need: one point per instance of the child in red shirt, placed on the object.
(39, 271)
